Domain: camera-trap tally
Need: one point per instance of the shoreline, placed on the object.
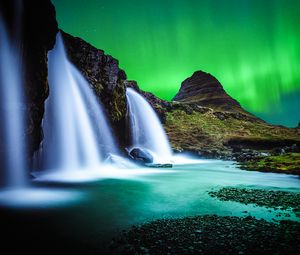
(213, 234)
(210, 234)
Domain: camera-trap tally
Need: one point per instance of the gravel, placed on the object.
(210, 234)
(267, 198)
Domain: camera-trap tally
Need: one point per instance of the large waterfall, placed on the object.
(76, 133)
(146, 130)
(12, 112)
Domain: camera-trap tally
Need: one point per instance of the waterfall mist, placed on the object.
(12, 111)
(146, 130)
(76, 133)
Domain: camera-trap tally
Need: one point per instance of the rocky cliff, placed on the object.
(33, 23)
(105, 78)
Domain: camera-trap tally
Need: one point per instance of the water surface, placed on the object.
(109, 205)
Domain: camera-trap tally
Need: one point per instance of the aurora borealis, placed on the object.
(251, 46)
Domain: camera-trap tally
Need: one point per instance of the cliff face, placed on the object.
(33, 23)
(104, 76)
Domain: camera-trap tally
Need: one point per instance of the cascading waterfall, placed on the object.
(12, 112)
(76, 133)
(146, 129)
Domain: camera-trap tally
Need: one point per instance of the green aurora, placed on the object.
(251, 46)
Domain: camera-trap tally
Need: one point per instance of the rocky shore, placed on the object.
(210, 234)
(289, 201)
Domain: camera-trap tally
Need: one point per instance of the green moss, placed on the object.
(206, 132)
(287, 163)
(98, 88)
(118, 103)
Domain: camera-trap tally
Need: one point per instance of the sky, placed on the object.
(251, 46)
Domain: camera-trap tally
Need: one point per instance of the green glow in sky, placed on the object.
(251, 46)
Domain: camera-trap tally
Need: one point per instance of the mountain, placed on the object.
(204, 89)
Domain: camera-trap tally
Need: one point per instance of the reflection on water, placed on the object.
(38, 197)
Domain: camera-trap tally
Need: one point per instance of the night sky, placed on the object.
(251, 46)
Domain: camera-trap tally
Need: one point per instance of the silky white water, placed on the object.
(76, 133)
(145, 128)
(12, 112)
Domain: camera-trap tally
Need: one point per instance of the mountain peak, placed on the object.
(204, 89)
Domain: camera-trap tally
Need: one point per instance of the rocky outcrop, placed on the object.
(33, 23)
(104, 76)
(140, 155)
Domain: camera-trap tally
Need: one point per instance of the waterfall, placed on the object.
(76, 133)
(12, 112)
(146, 130)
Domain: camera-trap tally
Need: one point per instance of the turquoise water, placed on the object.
(99, 209)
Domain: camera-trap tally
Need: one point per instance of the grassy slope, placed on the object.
(204, 132)
(287, 163)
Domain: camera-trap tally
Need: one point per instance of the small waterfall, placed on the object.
(12, 112)
(76, 133)
(146, 129)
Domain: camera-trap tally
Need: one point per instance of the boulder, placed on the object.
(141, 155)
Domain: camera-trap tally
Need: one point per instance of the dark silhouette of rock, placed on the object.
(205, 90)
(34, 25)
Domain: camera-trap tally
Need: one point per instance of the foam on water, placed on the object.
(145, 128)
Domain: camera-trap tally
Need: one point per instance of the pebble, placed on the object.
(219, 235)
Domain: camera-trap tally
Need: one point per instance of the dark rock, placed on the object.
(38, 30)
(221, 115)
(141, 155)
(105, 78)
(292, 148)
(154, 165)
(256, 143)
